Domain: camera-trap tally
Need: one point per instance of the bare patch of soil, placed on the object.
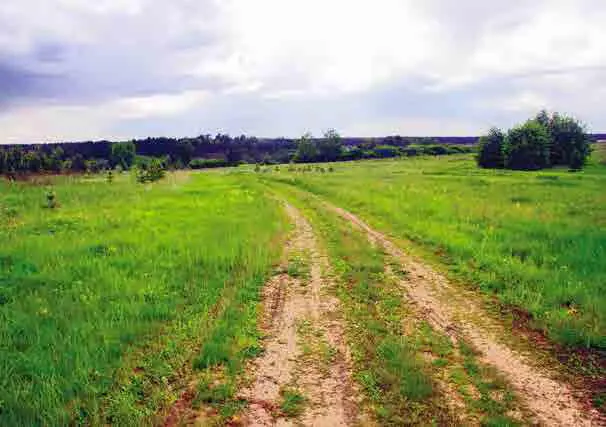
(454, 312)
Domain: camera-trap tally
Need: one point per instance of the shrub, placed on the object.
(208, 163)
(386, 151)
(492, 149)
(547, 140)
(51, 199)
(570, 143)
(152, 170)
(123, 154)
(528, 146)
(435, 150)
(329, 146)
(306, 150)
(96, 165)
(410, 151)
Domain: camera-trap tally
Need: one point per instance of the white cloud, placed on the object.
(51, 123)
(320, 46)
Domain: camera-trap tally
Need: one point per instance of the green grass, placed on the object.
(395, 380)
(292, 402)
(107, 301)
(535, 239)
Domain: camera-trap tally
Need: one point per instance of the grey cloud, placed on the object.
(118, 54)
(130, 55)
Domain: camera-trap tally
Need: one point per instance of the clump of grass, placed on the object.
(299, 266)
(51, 199)
(292, 402)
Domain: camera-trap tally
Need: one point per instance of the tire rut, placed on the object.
(299, 316)
(453, 312)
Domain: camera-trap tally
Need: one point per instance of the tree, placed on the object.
(123, 154)
(547, 140)
(306, 150)
(32, 161)
(528, 146)
(55, 160)
(570, 144)
(186, 152)
(330, 146)
(492, 149)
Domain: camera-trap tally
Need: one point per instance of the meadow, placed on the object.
(107, 300)
(537, 240)
(113, 300)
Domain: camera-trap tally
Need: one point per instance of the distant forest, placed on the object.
(217, 151)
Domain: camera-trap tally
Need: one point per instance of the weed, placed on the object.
(292, 402)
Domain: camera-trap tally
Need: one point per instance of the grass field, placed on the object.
(106, 299)
(535, 239)
(111, 302)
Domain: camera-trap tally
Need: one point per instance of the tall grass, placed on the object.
(535, 239)
(121, 275)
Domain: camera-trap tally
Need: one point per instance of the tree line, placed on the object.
(544, 141)
(206, 151)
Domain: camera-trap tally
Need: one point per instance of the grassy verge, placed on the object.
(107, 300)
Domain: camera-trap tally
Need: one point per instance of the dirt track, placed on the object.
(305, 347)
(454, 313)
(300, 320)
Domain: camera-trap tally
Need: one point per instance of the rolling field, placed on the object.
(105, 300)
(351, 296)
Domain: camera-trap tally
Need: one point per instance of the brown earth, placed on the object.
(301, 320)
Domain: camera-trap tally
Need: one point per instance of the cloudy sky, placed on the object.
(82, 69)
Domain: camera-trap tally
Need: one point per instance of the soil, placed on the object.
(301, 317)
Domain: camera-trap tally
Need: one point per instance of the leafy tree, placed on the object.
(306, 149)
(492, 149)
(78, 163)
(528, 146)
(186, 152)
(570, 144)
(330, 146)
(32, 161)
(123, 154)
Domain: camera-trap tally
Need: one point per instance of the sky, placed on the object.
(118, 69)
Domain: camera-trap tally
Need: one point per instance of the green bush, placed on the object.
(570, 143)
(151, 170)
(386, 151)
(528, 147)
(208, 163)
(545, 141)
(123, 154)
